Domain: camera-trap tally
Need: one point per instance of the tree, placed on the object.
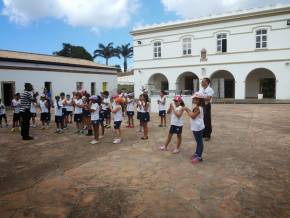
(106, 51)
(126, 51)
(74, 52)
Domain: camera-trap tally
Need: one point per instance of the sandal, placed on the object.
(163, 148)
(175, 151)
(144, 138)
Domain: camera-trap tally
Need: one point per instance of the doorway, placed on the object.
(8, 91)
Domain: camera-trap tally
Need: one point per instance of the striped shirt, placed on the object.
(25, 101)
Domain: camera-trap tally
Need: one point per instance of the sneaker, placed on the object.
(206, 139)
(60, 131)
(94, 142)
(160, 125)
(108, 126)
(196, 160)
(193, 156)
(175, 151)
(33, 126)
(13, 130)
(116, 141)
(56, 131)
(132, 127)
(163, 148)
(28, 138)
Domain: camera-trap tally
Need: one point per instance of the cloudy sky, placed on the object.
(41, 26)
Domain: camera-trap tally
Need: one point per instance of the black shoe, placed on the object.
(28, 138)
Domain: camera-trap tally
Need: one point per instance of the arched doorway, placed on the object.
(187, 83)
(223, 84)
(156, 83)
(261, 81)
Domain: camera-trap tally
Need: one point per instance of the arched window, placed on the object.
(186, 46)
(261, 38)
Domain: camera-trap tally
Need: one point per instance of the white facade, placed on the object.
(60, 77)
(253, 62)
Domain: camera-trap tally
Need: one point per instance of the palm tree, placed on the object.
(126, 51)
(106, 51)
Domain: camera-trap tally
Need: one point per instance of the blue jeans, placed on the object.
(198, 135)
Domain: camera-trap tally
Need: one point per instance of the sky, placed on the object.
(41, 26)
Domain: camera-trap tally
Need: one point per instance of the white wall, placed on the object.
(61, 81)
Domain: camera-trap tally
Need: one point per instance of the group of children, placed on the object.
(92, 114)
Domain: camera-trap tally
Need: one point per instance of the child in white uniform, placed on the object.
(78, 113)
(3, 114)
(197, 126)
(162, 109)
(95, 116)
(116, 109)
(16, 115)
(33, 113)
(176, 111)
(58, 112)
(44, 116)
(130, 110)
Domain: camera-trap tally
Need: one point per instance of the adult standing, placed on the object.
(25, 115)
(208, 93)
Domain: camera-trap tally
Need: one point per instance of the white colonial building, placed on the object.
(244, 53)
(57, 74)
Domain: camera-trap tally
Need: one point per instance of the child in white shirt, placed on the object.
(44, 115)
(16, 114)
(3, 114)
(197, 126)
(58, 114)
(78, 113)
(94, 108)
(116, 109)
(162, 108)
(130, 110)
(176, 109)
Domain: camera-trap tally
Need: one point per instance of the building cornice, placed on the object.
(213, 20)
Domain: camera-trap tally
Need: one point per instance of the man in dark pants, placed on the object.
(25, 115)
(207, 92)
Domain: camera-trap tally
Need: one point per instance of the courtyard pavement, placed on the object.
(245, 172)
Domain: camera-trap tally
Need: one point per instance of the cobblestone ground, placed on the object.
(245, 172)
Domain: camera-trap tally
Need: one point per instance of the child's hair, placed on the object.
(17, 94)
(146, 98)
(207, 80)
(57, 98)
(106, 93)
(200, 102)
(182, 103)
(68, 96)
(163, 92)
(62, 94)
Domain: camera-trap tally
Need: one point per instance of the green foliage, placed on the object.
(74, 52)
(106, 51)
(126, 51)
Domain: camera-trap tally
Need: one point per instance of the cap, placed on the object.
(93, 97)
(177, 98)
(197, 95)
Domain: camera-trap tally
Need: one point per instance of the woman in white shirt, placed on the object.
(197, 125)
(176, 109)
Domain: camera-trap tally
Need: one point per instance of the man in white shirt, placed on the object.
(208, 93)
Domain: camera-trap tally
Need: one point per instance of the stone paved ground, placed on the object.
(245, 172)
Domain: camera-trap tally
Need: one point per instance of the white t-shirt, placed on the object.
(176, 121)
(95, 115)
(78, 110)
(130, 105)
(118, 116)
(2, 109)
(208, 91)
(69, 107)
(197, 124)
(106, 102)
(16, 106)
(33, 108)
(162, 102)
(43, 107)
(64, 103)
(58, 109)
